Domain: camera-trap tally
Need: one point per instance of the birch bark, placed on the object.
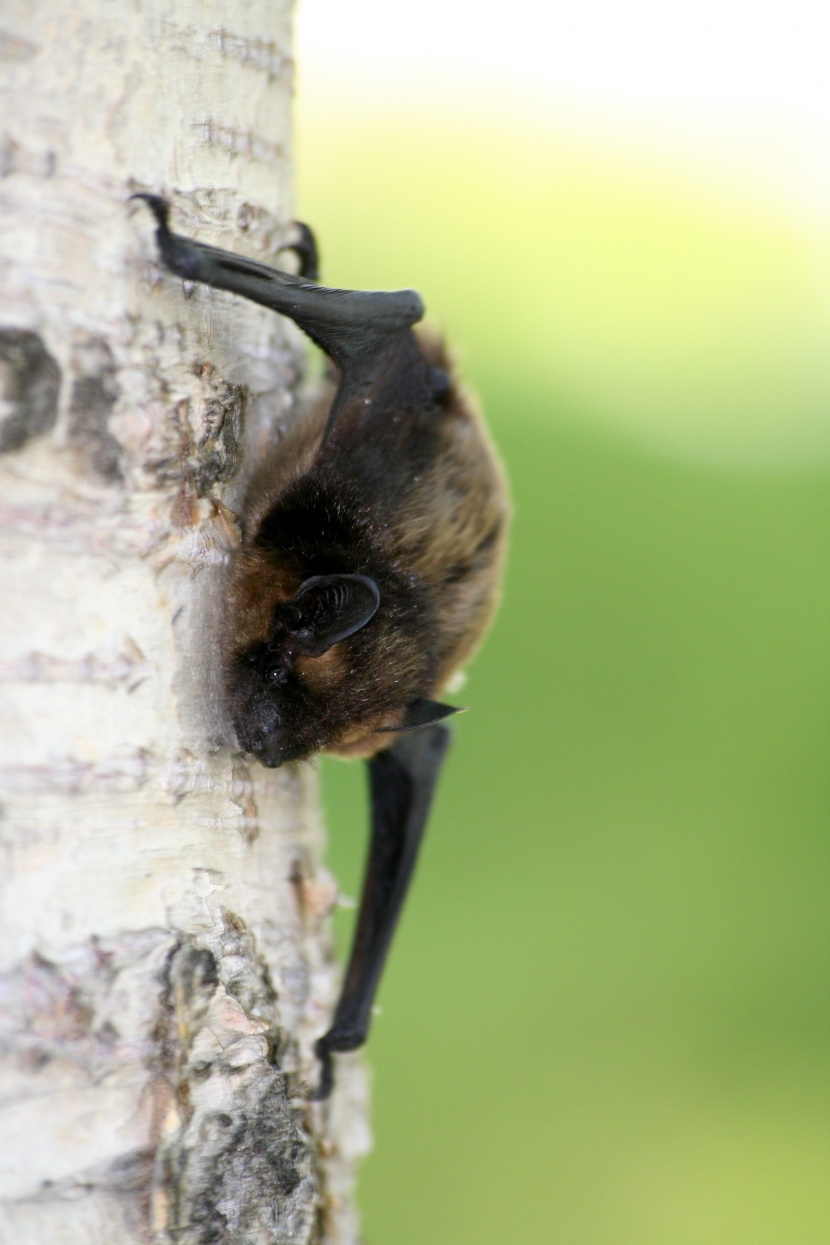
(164, 956)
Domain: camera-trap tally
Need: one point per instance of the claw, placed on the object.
(305, 248)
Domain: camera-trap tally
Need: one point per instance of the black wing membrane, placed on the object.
(402, 782)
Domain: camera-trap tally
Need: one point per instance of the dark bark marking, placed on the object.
(30, 381)
(216, 440)
(94, 395)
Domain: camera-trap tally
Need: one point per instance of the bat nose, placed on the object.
(268, 738)
(260, 731)
(271, 748)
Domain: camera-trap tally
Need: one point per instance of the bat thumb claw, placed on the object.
(157, 205)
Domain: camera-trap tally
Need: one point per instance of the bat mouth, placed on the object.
(267, 739)
(274, 761)
(270, 748)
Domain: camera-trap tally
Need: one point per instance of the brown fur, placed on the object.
(428, 511)
(454, 532)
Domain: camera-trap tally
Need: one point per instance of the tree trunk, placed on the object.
(164, 957)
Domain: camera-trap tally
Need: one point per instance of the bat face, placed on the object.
(281, 713)
(283, 690)
(339, 666)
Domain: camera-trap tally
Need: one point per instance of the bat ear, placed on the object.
(328, 608)
(422, 712)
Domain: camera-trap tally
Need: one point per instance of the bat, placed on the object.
(370, 565)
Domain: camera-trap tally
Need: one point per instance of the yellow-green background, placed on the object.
(605, 1019)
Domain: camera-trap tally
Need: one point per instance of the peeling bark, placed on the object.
(164, 957)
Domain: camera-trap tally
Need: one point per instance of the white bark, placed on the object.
(164, 961)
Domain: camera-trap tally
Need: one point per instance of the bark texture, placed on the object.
(164, 958)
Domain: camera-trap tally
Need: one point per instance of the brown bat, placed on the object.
(370, 566)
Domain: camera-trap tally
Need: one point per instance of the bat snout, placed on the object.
(262, 733)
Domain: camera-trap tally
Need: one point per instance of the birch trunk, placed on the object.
(164, 956)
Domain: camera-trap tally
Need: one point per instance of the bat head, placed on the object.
(272, 701)
(319, 682)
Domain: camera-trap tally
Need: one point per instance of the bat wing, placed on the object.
(402, 782)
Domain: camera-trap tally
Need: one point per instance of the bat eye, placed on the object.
(276, 674)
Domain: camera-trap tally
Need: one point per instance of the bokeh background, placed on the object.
(606, 1017)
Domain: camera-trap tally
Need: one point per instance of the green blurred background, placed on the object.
(605, 1020)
